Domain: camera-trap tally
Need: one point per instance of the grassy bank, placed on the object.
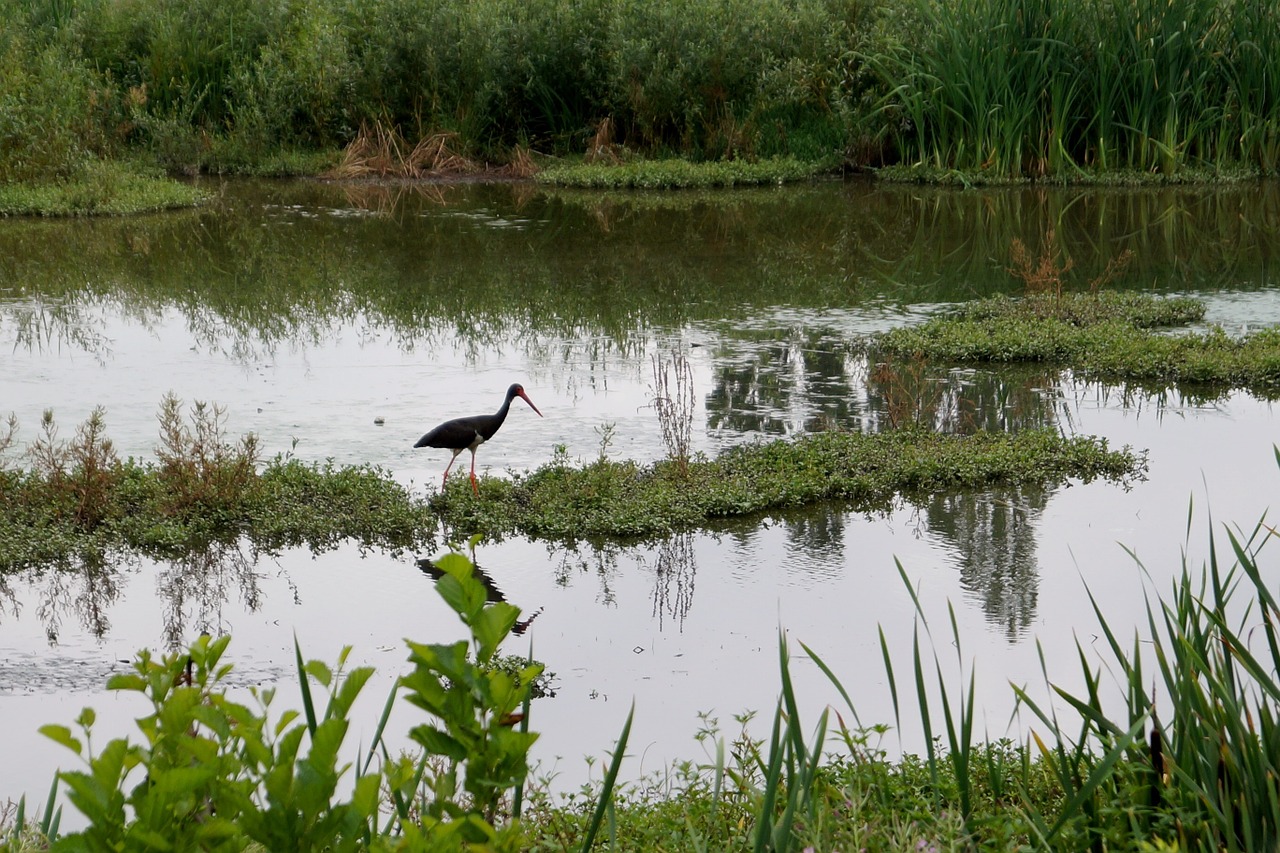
(98, 188)
(1178, 754)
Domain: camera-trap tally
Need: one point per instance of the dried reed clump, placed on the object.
(1046, 274)
(198, 467)
(521, 164)
(674, 399)
(1043, 274)
(381, 151)
(603, 148)
(81, 474)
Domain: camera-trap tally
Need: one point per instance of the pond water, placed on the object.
(341, 322)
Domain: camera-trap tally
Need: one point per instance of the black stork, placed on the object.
(462, 434)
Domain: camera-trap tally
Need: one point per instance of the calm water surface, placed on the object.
(309, 311)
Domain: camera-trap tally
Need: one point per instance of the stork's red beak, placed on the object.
(525, 397)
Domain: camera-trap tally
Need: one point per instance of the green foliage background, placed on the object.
(1005, 88)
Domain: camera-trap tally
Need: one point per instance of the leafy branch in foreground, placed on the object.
(212, 773)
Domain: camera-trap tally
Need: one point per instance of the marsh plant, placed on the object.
(76, 499)
(198, 466)
(211, 772)
(1047, 273)
(1036, 88)
(80, 473)
(674, 401)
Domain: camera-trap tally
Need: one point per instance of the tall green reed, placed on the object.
(1029, 88)
(1183, 747)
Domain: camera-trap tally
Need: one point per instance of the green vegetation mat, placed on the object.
(1106, 336)
(100, 188)
(678, 174)
(78, 499)
(865, 471)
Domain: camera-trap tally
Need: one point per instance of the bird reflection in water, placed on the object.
(491, 591)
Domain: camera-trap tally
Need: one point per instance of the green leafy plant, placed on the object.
(209, 772)
(473, 752)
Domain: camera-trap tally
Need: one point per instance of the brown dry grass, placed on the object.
(379, 151)
(1047, 274)
(603, 148)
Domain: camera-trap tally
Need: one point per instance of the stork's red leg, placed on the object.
(474, 487)
(445, 481)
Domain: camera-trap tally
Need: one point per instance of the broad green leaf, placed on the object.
(62, 735)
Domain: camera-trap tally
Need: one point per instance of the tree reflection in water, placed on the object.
(993, 535)
(195, 587)
(804, 380)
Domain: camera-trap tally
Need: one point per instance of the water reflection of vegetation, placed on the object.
(86, 586)
(993, 535)
(284, 262)
(674, 570)
(811, 381)
(195, 586)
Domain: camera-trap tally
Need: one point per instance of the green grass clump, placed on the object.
(1140, 310)
(78, 498)
(98, 188)
(1102, 337)
(867, 471)
(678, 174)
